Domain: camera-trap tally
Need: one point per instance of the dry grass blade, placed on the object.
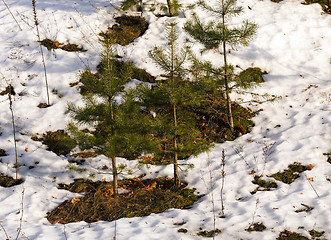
(12, 14)
(41, 49)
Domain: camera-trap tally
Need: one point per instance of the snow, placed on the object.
(292, 44)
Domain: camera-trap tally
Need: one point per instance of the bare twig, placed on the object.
(311, 186)
(41, 49)
(115, 222)
(19, 229)
(238, 152)
(11, 14)
(4, 230)
(254, 214)
(267, 151)
(64, 232)
(212, 194)
(13, 123)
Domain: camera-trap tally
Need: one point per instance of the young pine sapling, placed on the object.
(173, 100)
(217, 34)
(121, 129)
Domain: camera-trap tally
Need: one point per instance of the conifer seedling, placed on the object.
(118, 128)
(217, 34)
(172, 99)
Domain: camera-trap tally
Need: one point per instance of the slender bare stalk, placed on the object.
(254, 214)
(13, 123)
(238, 152)
(64, 232)
(12, 14)
(115, 221)
(115, 230)
(312, 186)
(267, 151)
(211, 180)
(19, 229)
(4, 230)
(222, 187)
(41, 49)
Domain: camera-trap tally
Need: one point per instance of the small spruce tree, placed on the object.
(121, 129)
(173, 100)
(217, 34)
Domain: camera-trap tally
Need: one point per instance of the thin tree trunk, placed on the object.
(176, 170)
(227, 92)
(171, 12)
(115, 188)
(226, 78)
(109, 69)
(172, 78)
(14, 131)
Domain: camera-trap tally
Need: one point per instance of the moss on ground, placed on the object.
(209, 234)
(316, 234)
(287, 235)
(258, 227)
(213, 123)
(69, 47)
(325, 4)
(43, 105)
(263, 185)
(126, 29)
(58, 141)
(145, 197)
(6, 181)
(2, 152)
(290, 174)
(250, 76)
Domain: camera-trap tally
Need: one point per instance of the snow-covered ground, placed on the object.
(293, 44)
